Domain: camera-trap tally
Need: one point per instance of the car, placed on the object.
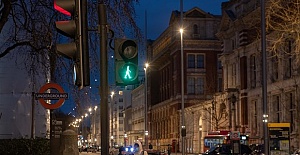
(297, 152)
(257, 149)
(226, 149)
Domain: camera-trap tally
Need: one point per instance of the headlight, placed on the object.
(131, 149)
(126, 149)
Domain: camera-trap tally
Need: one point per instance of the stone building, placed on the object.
(225, 94)
(202, 76)
(242, 71)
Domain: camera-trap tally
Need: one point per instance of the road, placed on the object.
(90, 153)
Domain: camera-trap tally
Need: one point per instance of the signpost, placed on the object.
(235, 142)
(279, 138)
(60, 96)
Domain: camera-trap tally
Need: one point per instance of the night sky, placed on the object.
(158, 16)
(159, 12)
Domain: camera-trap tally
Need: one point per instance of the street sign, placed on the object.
(279, 137)
(235, 135)
(60, 96)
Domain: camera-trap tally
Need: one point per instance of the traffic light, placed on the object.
(126, 62)
(77, 30)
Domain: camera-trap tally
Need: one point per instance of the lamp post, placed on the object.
(125, 139)
(112, 141)
(94, 126)
(146, 106)
(183, 129)
(200, 138)
(82, 118)
(233, 100)
(111, 125)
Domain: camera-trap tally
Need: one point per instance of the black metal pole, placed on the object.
(102, 19)
(264, 77)
(32, 116)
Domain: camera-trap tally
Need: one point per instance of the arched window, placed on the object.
(195, 29)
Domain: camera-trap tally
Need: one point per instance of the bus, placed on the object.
(216, 137)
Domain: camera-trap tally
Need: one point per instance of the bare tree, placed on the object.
(27, 32)
(282, 18)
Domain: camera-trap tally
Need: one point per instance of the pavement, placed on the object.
(97, 153)
(89, 153)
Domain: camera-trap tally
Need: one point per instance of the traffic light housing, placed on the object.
(77, 30)
(126, 62)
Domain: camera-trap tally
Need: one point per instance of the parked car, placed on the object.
(297, 152)
(257, 149)
(90, 149)
(226, 149)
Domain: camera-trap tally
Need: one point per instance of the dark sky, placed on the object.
(158, 16)
(159, 12)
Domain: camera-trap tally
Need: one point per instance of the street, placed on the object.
(85, 153)
(89, 153)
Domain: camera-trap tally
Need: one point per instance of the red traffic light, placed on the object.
(65, 6)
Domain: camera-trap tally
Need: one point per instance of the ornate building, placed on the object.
(202, 77)
(242, 70)
(224, 94)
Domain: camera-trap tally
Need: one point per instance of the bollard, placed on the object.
(69, 143)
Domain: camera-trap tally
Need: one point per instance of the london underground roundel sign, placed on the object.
(60, 96)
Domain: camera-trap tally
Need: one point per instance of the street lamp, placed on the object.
(200, 138)
(146, 106)
(125, 139)
(94, 126)
(111, 108)
(183, 129)
(112, 141)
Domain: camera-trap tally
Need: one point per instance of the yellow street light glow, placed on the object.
(181, 30)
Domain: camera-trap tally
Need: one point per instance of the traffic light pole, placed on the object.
(103, 88)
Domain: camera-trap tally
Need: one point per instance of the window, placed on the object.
(290, 99)
(191, 85)
(200, 86)
(200, 61)
(219, 64)
(253, 71)
(233, 75)
(191, 61)
(120, 114)
(195, 61)
(288, 59)
(255, 118)
(120, 107)
(195, 85)
(120, 92)
(276, 108)
(120, 99)
(195, 28)
(220, 84)
(274, 67)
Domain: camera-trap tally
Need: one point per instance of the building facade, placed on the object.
(222, 80)
(202, 77)
(242, 65)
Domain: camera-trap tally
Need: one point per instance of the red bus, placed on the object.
(216, 137)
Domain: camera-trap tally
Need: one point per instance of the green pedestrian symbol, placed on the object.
(127, 75)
